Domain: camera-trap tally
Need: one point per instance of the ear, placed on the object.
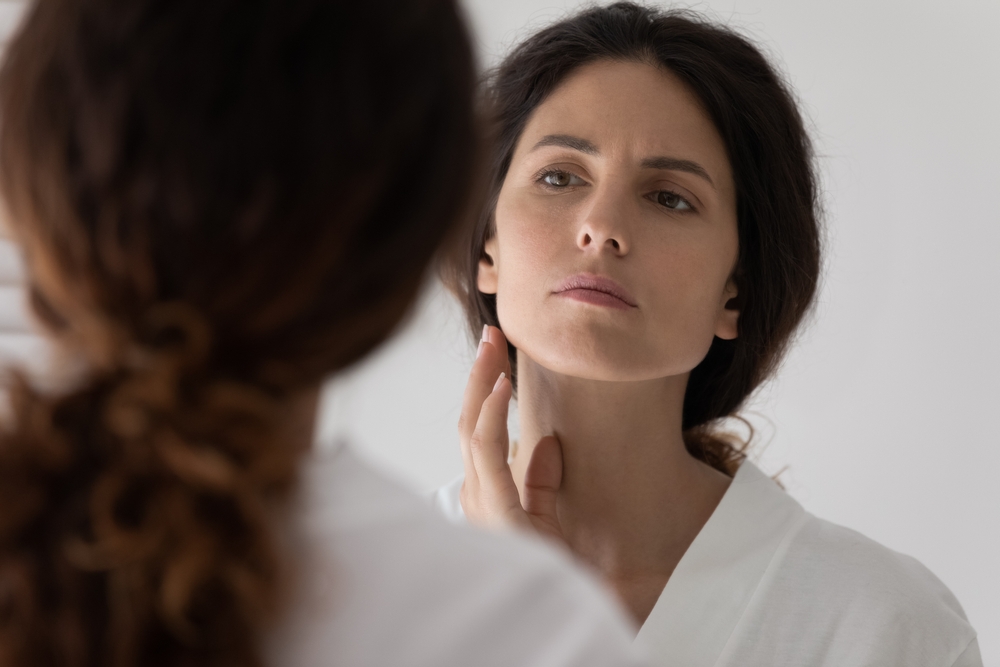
(487, 278)
(726, 326)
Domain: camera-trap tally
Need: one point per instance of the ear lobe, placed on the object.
(727, 325)
(487, 276)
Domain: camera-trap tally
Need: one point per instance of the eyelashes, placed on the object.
(555, 180)
(673, 201)
(552, 178)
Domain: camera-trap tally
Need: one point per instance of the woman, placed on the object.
(220, 203)
(651, 245)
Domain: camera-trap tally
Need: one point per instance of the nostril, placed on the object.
(586, 239)
(614, 244)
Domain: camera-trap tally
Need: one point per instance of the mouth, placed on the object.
(596, 290)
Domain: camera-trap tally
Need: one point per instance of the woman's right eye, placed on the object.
(557, 178)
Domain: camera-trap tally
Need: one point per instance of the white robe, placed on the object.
(766, 584)
(381, 580)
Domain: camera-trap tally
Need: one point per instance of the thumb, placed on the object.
(542, 480)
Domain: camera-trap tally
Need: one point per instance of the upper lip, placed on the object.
(598, 284)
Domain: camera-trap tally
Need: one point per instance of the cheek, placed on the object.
(691, 279)
(688, 279)
(526, 235)
(529, 247)
(527, 243)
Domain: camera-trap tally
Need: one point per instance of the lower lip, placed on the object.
(596, 298)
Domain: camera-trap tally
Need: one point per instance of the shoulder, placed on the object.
(853, 601)
(848, 565)
(386, 580)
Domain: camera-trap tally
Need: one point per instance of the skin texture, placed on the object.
(621, 175)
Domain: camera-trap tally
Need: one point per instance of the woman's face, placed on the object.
(616, 233)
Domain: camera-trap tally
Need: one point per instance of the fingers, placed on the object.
(542, 480)
(491, 497)
(489, 442)
(489, 363)
(497, 339)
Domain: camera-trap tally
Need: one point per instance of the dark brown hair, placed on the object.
(220, 202)
(771, 158)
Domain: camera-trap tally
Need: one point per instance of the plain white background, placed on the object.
(885, 413)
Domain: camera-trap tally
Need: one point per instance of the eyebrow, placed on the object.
(659, 162)
(567, 141)
(676, 164)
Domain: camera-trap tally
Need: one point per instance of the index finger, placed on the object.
(483, 376)
(495, 336)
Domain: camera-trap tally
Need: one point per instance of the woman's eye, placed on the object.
(560, 179)
(672, 200)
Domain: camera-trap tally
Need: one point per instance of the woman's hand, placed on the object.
(489, 495)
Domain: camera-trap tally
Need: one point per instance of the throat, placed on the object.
(631, 500)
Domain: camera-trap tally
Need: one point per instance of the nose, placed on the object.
(603, 227)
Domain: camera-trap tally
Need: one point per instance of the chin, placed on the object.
(601, 360)
(599, 370)
(604, 348)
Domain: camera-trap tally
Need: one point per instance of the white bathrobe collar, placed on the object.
(710, 589)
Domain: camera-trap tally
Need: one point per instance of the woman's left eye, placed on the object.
(559, 179)
(673, 201)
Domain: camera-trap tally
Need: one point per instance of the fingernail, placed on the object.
(499, 380)
(486, 332)
(480, 350)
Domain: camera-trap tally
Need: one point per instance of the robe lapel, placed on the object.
(714, 582)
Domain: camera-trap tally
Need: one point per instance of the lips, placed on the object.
(597, 290)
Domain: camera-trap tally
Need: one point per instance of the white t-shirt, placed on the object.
(382, 581)
(766, 584)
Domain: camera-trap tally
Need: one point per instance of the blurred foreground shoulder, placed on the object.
(383, 580)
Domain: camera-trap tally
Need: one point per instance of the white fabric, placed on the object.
(383, 581)
(766, 584)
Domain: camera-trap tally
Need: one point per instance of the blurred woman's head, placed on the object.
(653, 210)
(220, 203)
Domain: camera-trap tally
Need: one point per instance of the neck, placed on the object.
(632, 499)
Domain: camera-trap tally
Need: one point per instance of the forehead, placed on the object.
(631, 110)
